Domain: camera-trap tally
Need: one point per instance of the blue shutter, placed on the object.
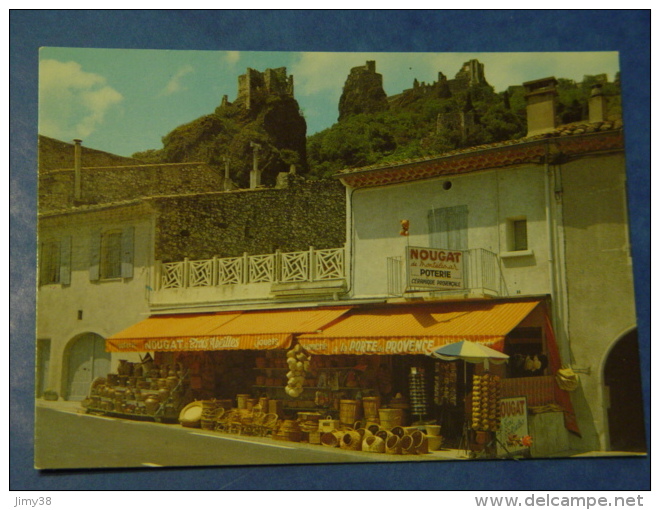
(65, 260)
(127, 242)
(95, 256)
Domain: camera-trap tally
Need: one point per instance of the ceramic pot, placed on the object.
(151, 404)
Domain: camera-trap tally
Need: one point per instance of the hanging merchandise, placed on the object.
(486, 394)
(298, 362)
(445, 383)
(416, 383)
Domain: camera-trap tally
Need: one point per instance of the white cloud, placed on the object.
(72, 102)
(176, 82)
(232, 57)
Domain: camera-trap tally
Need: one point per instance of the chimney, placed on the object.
(77, 169)
(597, 104)
(541, 96)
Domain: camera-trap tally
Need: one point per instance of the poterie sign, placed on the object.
(435, 268)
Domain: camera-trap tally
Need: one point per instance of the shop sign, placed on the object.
(207, 343)
(513, 426)
(369, 346)
(434, 268)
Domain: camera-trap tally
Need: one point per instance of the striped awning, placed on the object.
(419, 329)
(251, 330)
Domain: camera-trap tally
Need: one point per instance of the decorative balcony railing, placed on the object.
(481, 273)
(279, 267)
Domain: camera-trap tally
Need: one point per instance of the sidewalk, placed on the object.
(443, 454)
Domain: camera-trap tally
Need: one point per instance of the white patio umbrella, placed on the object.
(469, 351)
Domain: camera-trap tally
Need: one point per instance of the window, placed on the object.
(111, 254)
(448, 227)
(519, 235)
(50, 262)
(55, 261)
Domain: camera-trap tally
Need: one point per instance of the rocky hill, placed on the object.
(264, 116)
(433, 118)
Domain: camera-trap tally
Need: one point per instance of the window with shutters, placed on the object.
(50, 262)
(448, 227)
(55, 261)
(111, 254)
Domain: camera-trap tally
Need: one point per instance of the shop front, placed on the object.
(316, 374)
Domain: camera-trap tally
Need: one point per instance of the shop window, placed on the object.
(448, 227)
(55, 261)
(112, 254)
(527, 357)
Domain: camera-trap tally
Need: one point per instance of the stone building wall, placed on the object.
(119, 183)
(253, 221)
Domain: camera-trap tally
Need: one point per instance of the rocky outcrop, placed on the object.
(363, 92)
(265, 115)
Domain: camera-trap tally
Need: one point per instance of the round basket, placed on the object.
(393, 445)
(390, 418)
(331, 439)
(191, 415)
(351, 440)
(373, 444)
(407, 445)
(420, 442)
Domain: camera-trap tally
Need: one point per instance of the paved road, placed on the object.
(66, 440)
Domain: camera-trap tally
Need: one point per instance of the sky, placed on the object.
(124, 101)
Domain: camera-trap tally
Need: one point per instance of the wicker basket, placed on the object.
(373, 444)
(370, 406)
(407, 445)
(351, 440)
(332, 439)
(390, 418)
(348, 411)
(393, 445)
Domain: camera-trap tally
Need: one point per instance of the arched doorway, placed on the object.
(86, 360)
(622, 379)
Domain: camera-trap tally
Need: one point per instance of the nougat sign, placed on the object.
(435, 268)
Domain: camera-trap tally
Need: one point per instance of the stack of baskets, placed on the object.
(289, 430)
(210, 410)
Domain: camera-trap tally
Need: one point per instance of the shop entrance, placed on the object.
(623, 382)
(86, 360)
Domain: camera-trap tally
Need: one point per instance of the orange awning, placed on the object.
(260, 330)
(419, 329)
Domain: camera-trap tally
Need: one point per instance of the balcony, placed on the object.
(295, 275)
(482, 277)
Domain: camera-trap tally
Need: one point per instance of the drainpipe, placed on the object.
(557, 304)
(77, 169)
(551, 244)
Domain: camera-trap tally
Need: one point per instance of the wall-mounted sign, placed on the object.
(434, 268)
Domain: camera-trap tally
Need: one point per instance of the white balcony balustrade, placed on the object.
(292, 267)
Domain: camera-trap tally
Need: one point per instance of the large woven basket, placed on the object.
(373, 444)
